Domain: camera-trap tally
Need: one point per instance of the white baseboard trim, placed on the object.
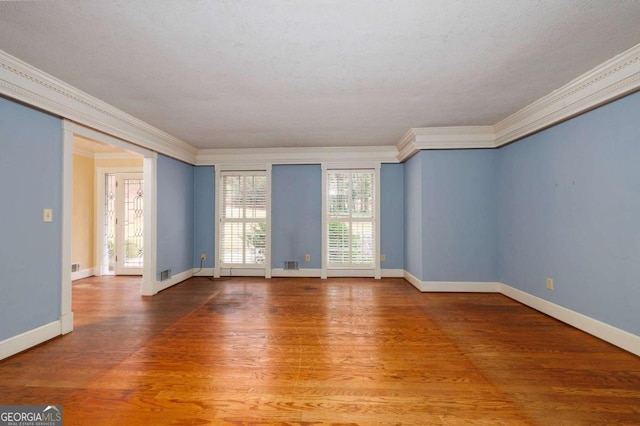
(346, 273)
(29, 339)
(85, 273)
(202, 272)
(175, 279)
(304, 272)
(66, 323)
(242, 272)
(453, 286)
(620, 338)
(461, 286)
(392, 273)
(413, 280)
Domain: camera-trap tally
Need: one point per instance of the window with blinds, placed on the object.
(350, 218)
(243, 219)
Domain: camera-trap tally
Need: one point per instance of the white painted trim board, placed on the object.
(84, 273)
(158, 286)
(604, 83)
(29, 339)
(617, 337)
(302, 272)
(620, 338)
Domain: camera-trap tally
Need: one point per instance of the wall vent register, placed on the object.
(290, 265)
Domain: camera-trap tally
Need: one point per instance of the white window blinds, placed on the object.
(350, 218)
(243, 219)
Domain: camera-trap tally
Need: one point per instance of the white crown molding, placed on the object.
(608, 81)
(355, 154)
(611, 80)
(243, 167)
(456, 137)
(25, 83)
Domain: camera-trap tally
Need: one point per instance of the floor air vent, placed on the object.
(290, 265)
(75, 267)
(164, 275)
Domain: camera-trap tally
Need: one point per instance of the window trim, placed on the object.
(252, 270)
(350, 270)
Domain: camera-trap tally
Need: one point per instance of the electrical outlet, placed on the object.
(383, 257)
(203, 256)
(47, 215)
(549, 283)
(307, 258)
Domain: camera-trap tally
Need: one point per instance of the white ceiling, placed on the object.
(285, 73)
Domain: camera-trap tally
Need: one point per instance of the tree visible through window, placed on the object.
(243, 219)
(350, 218)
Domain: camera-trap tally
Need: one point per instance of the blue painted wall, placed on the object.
(296, 219)
(204, 216)
(392, 215)
(175, 240)
(570, 210)
(30, 255)
(297, 215)
(413, 215)
(459, 215)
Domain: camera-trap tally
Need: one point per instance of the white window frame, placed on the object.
(223, 269)
(364, 271)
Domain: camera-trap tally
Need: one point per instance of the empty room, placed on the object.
(320, 212)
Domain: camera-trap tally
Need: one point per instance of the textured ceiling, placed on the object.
(281, 73)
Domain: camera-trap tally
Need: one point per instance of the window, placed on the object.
(350, 218)
(243, 219)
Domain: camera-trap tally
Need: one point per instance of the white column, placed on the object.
(267, 266)
(66, 315)
(323, 270)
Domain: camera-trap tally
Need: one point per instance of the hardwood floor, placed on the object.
(310, 351)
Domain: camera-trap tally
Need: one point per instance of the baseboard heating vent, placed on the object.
(75, 267)
(164, 275)
(290, 265)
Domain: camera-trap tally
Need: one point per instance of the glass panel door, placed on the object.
(124, 224)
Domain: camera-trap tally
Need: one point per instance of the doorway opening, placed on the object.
(85, 151)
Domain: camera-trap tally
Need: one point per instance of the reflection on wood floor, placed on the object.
(310, 351)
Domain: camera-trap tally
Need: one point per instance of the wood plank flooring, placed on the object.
(309, 351)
